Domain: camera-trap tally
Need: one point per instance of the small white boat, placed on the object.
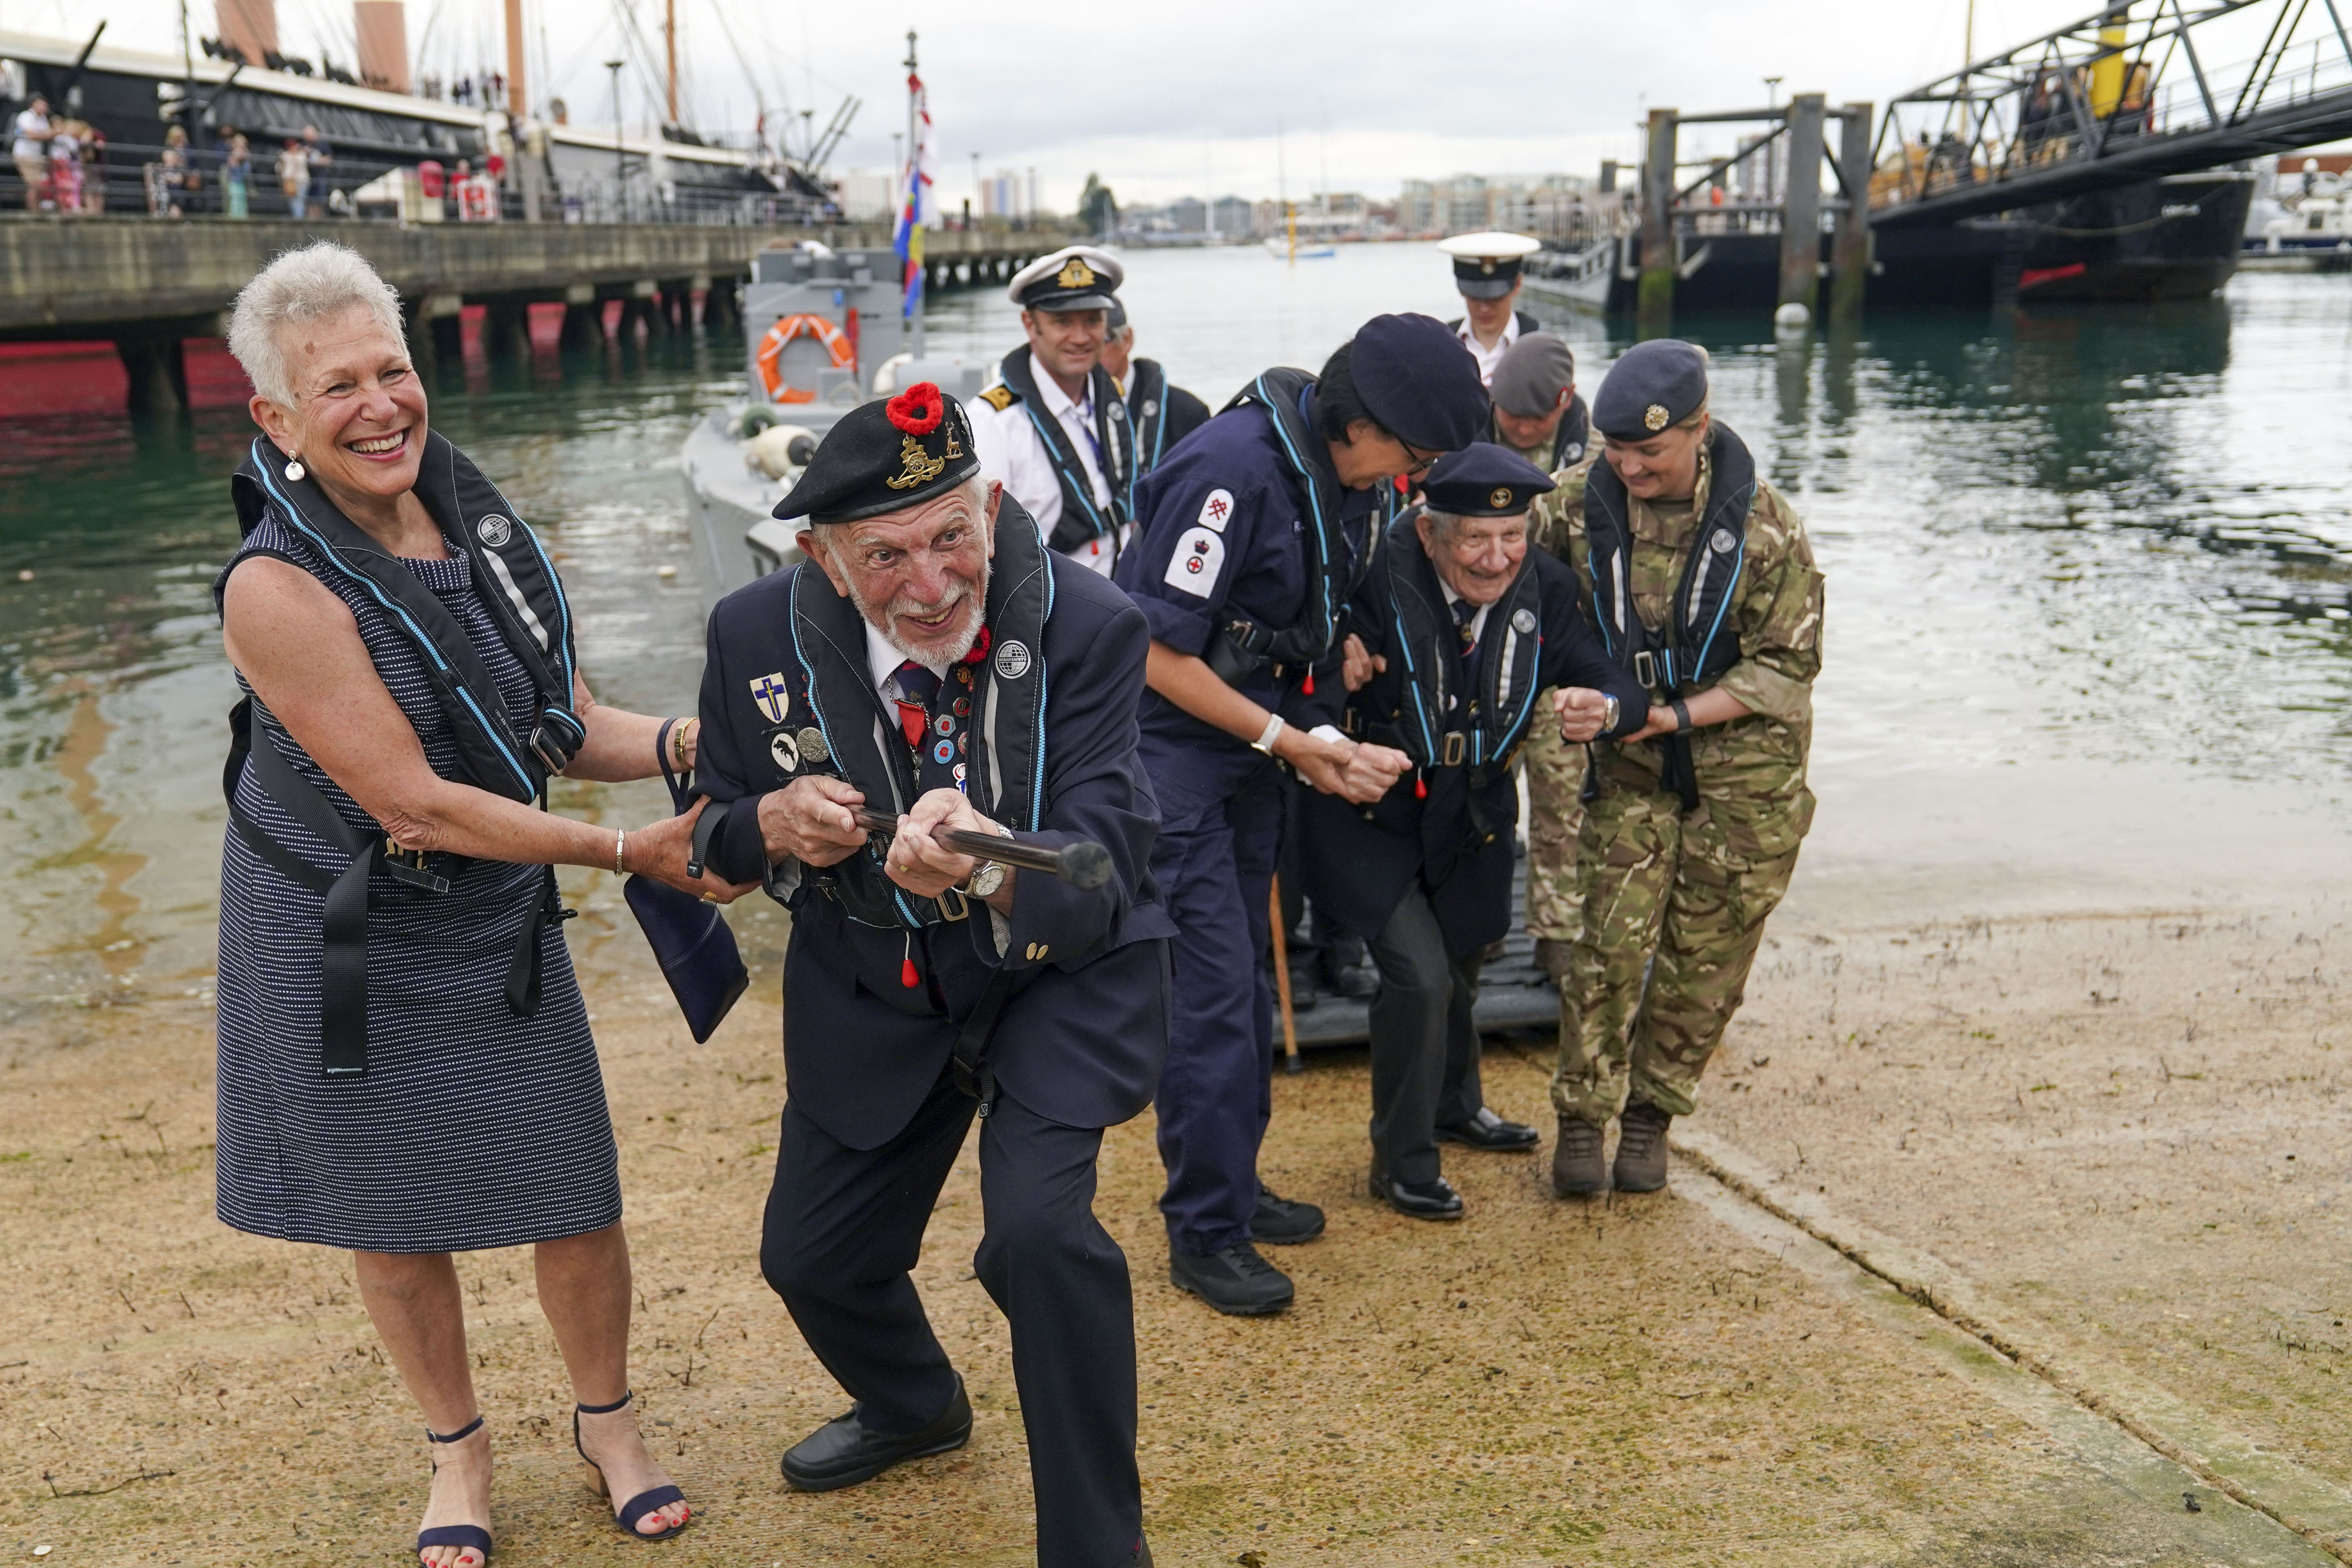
(1281, 249)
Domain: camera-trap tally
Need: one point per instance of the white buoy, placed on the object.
(1791, 317)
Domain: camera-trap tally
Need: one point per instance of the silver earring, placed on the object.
(294, 470)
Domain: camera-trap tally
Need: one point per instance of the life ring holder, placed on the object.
(771, 349)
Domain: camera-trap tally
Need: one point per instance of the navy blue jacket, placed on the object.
(1081, 1037)
(1227, 483)
(1458, 842)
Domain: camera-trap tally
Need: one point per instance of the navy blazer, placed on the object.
(1081, 1036)
(1459, 842)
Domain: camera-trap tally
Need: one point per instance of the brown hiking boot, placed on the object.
(1641, 1148)
(1577, 1168)
(1551, 957)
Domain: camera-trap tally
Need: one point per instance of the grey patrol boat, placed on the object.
(822, 333)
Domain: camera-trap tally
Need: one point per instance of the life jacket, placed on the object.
(1006, 762)
(1082, 518)
(534, 620)
(1693, 648)
(1147, 416)
(1486, 731)
(1334, 568)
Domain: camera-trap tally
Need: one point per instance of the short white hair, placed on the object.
(318, 280)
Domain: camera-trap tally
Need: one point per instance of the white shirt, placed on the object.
(32, 135)
(1489, 358)
(883, 661)
(1013, 454)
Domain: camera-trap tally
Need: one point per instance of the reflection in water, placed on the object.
(2118, 535)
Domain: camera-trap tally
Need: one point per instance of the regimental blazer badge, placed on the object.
(775, 700)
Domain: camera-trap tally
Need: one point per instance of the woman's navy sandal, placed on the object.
(627, 1517)
(460, 1535)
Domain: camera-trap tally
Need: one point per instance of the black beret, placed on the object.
(1483, 480)
(886, 456)
(1652, 387)
(1420, 383)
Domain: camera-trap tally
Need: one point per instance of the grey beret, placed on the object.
(1532, 374)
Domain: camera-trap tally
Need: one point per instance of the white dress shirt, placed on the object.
(1489, 358)
(1013, 454)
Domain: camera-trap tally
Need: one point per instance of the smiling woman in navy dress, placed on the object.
(405, 1066)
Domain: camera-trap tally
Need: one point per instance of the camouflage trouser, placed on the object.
(1656, 884)
(1555, 779)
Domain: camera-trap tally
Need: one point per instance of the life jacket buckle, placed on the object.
(409, 866)
(960, 909)
(1457, 745)
(1645, 668)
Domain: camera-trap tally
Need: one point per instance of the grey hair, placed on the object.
(318, 280)
(1447, 523)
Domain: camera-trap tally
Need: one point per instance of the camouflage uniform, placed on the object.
(1691, 891)
(1555, 767)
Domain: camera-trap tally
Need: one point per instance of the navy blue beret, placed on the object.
(1483, 480)
(1651, 387)
(1420, 383)
(885, 455)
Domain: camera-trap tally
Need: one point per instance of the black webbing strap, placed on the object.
(973, 1074)
(523, 969)
(342, 999)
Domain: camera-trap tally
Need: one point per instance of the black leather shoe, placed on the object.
(1432, 1200)
(1236, 1281)
(1489, 1131)
(1355, 982)
(1303, 990)
(843, 1452)
(1281, 1222)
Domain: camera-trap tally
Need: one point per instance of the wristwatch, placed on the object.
(986, 877)
(1609, 711)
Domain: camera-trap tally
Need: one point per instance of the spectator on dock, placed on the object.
(321, 154)
(237, 177)
(30, 149)
(294, 178)
(65, 166)
(405, 1065)
(170, 176)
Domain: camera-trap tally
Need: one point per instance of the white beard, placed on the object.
(952, 647)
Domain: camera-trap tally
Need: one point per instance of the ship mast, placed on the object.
(669, 40)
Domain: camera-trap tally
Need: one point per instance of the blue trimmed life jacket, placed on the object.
(1696, 646)
(1082, 518)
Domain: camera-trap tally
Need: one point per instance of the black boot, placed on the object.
(1641, 1148)
(1236, 1281)
(1284, 1222)
(1577, 1168)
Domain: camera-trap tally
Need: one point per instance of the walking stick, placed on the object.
(1290, 1062)
(1085, 865)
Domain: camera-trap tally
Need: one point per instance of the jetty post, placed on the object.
(1654, 294)
(1800, 205)
(1849, 243)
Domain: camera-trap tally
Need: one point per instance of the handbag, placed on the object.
(691, 939)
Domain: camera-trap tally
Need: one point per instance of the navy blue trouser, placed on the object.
(844, 1228)
(1213, 861)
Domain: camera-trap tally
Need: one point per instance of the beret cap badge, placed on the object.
(1655, 417)
(1499, 496)
(916, 413)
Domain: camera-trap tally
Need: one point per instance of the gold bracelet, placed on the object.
(619, 842)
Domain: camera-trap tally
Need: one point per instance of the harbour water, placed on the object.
(2090, 611)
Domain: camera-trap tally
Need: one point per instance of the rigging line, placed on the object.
(759, 98)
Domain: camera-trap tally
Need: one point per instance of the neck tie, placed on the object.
(934, 716)
(917, 688)
(1465, 616)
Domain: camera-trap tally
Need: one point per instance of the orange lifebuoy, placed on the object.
(771, 350)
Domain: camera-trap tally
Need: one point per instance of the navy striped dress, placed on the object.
(472, 1128)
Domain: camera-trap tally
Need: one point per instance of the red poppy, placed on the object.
(979, 648)
(917, 410)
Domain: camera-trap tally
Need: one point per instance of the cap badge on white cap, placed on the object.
(1076, 274)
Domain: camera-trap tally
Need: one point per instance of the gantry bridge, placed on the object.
(2137, 92)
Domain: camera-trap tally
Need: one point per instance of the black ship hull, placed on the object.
(2173, 238)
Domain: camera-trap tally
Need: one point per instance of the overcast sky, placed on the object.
(1166, 101)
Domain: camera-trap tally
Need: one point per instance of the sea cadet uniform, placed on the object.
(1424, 873)
(1069, 462)
(904, 1017)
(1486, 265)
(1247, 549)
(1688, 840)
(1529, 382)
(1158, 413)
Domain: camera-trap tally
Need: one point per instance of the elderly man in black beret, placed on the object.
(1455, 631)
(932, 660)
(1250, 539)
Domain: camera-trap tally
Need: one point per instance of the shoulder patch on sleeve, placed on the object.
(1217, 510)
(999, 397)
(1199, 556)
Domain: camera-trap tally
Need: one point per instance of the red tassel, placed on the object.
(1420, 787)
(907, 975)
(1308, 689)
